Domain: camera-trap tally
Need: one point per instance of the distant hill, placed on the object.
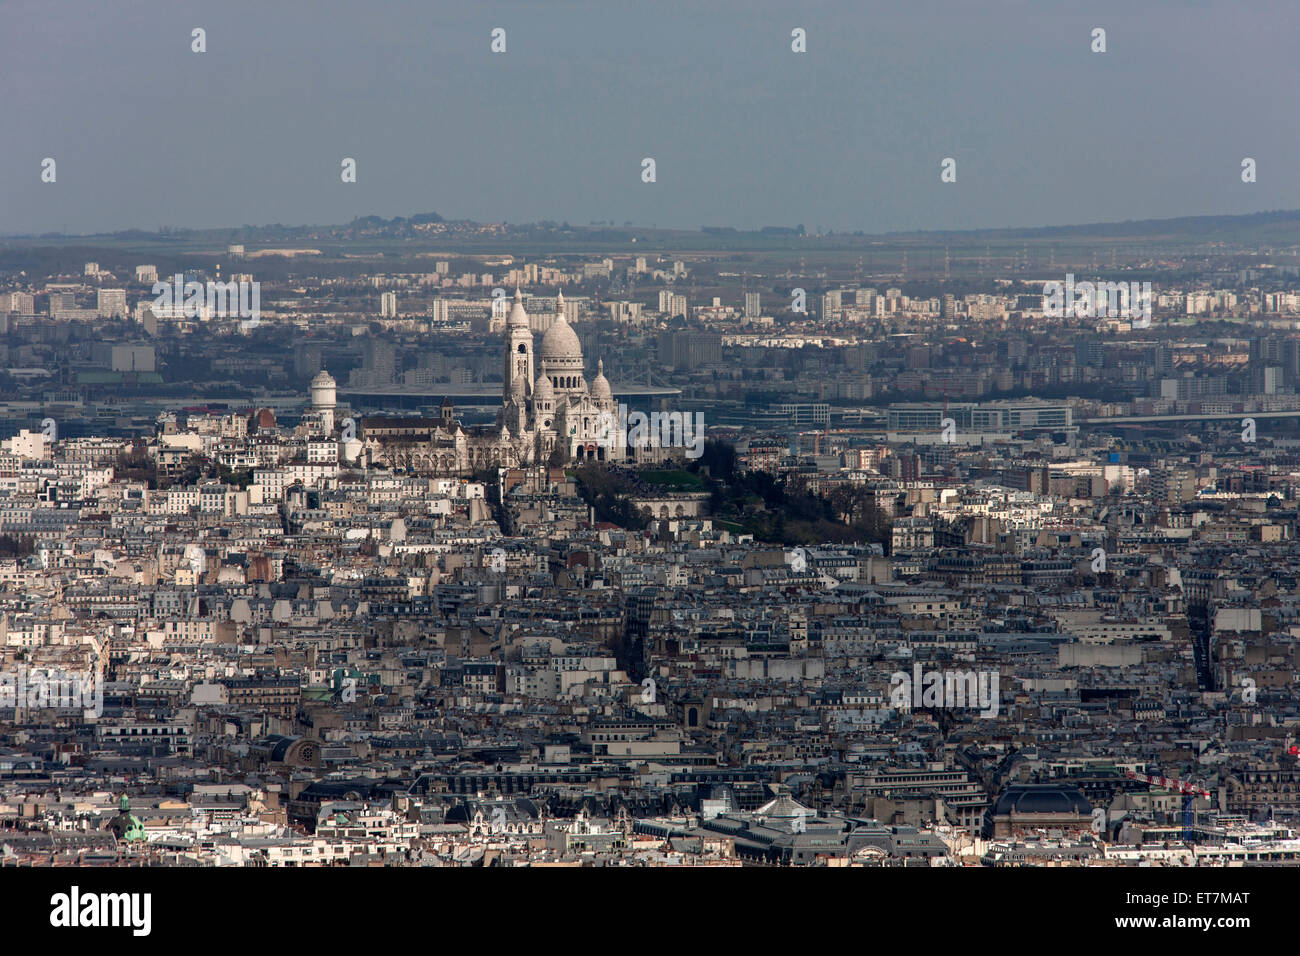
(1200, 226)
(1278, 227)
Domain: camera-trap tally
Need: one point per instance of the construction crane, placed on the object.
(1189, 791)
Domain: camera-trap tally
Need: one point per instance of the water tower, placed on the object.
(323, 398)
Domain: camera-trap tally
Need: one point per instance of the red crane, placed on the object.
(1182, 786)
(1189, 791)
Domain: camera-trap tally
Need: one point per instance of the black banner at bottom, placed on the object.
(344, 904)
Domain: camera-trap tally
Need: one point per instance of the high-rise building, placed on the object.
(624, 312)
(388, 305)
(307, 360)
(688, 350)
(752, 307)
(146, 274)
(831, 303)
(380, 365)
(111, 302)
(1089, 352)
(671, 304)
(23, 303)
(458, 311)
(500, 309)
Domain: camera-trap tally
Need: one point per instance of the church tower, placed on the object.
(518, 371)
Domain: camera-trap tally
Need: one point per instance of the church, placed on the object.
(549, 413)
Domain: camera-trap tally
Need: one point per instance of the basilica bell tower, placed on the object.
(518, 371)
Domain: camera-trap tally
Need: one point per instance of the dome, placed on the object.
(322, 378)
(1060, 799)
(561, 342)
(600, 389)
(518, 317)
(543, 391)
(784, 807)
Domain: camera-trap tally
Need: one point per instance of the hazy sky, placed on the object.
(744, 132)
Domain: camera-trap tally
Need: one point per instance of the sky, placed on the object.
(744, 132)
